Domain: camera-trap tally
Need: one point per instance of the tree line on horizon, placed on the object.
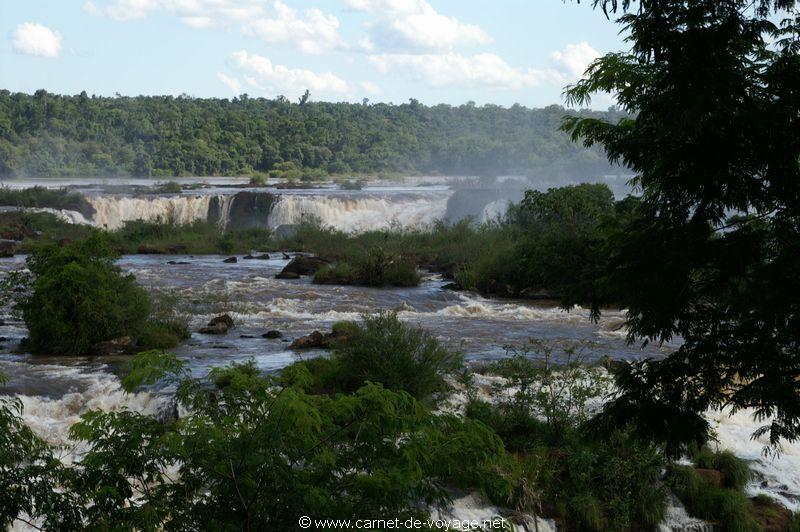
(45, 134)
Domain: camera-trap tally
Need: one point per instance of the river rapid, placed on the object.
(56, 391)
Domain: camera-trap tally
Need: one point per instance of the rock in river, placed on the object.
(302, 265)
(218, 325)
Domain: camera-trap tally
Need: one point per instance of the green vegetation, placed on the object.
(251, 456)
(379, 349)
(50, 135)
(572, 474)
(75, 297)
(731, 508)
(711, 253)
(552, 244)
(41, 197)
(373, 267)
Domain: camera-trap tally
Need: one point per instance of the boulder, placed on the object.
(177, 262)
(303, 265)
(231, 260)
(218, 325)
(263, 256)
(7, 248)
(223, 318)
(286, 256)
(452, 286)
(318, 340)
(117, 346)
(272, 335)
(315, 340)
(287, 275)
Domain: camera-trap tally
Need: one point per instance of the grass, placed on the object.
(728, 506)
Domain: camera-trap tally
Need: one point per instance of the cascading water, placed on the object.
(349, 213)
(360, 213)
(111, 212)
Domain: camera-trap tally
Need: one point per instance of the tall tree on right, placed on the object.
(713, 257)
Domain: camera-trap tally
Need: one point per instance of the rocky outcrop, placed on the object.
(231, 260)
(117, 346)
(218, 325)
(304, 265)
(7, 248)
(287, 275)
(263, 256)
(315, 340)
(246, 209)
(272, 335)
(318, 340)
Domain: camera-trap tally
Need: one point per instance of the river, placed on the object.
(55, 391)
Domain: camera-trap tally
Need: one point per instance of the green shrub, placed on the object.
(375, 267)
(79, 297)
(735, 471)
(702, 499)
(256, 456)
(380, 349)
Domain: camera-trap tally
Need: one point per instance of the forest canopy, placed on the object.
(45, 135)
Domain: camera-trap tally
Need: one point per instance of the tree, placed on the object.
(713, 257)
(80, 297)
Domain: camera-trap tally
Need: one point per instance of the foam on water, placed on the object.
(775, 475)
(51, 418)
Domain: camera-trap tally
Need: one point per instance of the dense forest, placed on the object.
(53, 135)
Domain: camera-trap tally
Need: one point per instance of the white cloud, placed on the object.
(574, 59)
(309, 30)
(31, 38)
(232, 83)
(314, 32)
(123, 9)
(260, 73)
(452, 69)
(414, 25)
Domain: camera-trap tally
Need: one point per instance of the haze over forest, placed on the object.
(45, 135)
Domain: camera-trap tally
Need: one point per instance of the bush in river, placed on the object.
(384, 350)
(374, 267)
(75, 297)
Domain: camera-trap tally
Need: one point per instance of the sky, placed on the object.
(449, 51)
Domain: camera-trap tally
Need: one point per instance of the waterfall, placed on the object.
(361, 212)
(111, 212)
(346, 212)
